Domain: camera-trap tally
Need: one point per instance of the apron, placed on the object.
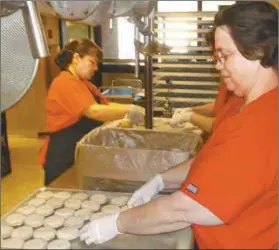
(61, 149)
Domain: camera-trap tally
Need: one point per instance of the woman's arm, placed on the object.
(106, 113)
(166, 214)
(206, 109)
(203, 122)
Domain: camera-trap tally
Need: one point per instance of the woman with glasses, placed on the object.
(205, 115)
(74, 106)
(228, 193)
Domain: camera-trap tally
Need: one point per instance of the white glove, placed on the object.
(181, 116)
(136, 114)
(100, 230)
(146, 192)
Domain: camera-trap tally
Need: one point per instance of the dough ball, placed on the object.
(84, 214)
(26, 210)
(45, 210)
(36, 202)
(44, 233)
(97, 215)
(34, 220)
(54, 221)
(62, 195)
(99, 198)
(12, 243)
(80, 196)
(6, 231)
(35, 244)
(65, 212)
(68, 233)
(119, 201)
(24, 233)
(15, 220)
(74, 204)
(59, 244)
(55, 202)
(74, 222)
(92, 205)
(110, 209)
(45, 195)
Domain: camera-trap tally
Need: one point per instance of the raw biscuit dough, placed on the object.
(62, 195)
(92, 205)
(67, 233)
(99, 198)
(97, 215)
(26, 210)
(15, 220)
(35, 244)
(45, 210)
(119, 201)
(73, 222)
(44, 233)
(45, 195)
(24, 233)
(34, 220)
(12, 243)
(54, 221)
(65, 212)
(55, 202)
(36, 202)
(84, 214)
(110, 209)
(59, 244)
(80, 196)
(6, 231)
(74, 204)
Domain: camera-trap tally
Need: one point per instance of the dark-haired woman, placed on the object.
(74, 107)
(228, 193)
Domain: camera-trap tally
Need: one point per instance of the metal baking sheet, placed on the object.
(176, 240)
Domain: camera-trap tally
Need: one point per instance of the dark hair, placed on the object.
(254, 29)
(82, 46)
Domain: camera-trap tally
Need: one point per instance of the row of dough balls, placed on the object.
(15, 243)
(98, 198)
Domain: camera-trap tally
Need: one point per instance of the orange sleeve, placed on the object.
(228, 176)
(74, 97)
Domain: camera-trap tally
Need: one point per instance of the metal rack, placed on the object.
(189, 67)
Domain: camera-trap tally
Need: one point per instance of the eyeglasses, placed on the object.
(217, 58)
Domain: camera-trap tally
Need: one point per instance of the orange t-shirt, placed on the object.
(235, 176)
(67, 98)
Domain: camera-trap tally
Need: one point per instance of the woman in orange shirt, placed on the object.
(74, 107)
(228, 193)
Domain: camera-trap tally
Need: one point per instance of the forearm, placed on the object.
(166, 214)
(157, 216)
(107, 112)
(175, 176)
(206, 109)
(203, 122)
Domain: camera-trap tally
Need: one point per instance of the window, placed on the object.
(76, 31)
(214, 5)
(118, 40)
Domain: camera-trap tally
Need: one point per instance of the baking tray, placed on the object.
(181, 239)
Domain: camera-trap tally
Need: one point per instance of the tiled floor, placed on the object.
(27, 175)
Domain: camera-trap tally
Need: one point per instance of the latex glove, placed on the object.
(136, 114)
(146, 192)
(181, 116)
(100, 230)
